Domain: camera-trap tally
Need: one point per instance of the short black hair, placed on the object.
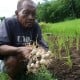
(19, 4)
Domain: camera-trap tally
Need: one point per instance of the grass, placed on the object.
(3, 76)
(43, 74)
(67, 28)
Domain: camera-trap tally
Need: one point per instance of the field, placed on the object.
(63, 39)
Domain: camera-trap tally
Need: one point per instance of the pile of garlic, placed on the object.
(38, 58)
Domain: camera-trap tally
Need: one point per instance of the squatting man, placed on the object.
(15, 33)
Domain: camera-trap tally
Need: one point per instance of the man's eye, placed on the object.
(25, 13)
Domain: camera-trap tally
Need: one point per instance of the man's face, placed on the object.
(26, 15)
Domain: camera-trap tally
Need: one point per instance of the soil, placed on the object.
(60, 66)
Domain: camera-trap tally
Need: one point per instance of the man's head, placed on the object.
(26, 12)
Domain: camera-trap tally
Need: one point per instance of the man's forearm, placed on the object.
(8, 50)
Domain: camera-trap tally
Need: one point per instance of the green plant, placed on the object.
(43, 74)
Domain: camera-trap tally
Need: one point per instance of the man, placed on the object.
(15, 33)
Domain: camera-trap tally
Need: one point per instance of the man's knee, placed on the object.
(11, 65)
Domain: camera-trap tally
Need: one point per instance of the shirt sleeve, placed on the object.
(4, 39)
(40, 38)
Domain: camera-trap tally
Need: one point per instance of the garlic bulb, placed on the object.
(34, 51)
(43, 61)
(32, 65)
(36, 65)
(47, 55)
(49, 52)
(37, 62)
(38, 57)
(43, 56)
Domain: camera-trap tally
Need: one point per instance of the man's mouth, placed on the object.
(28, 24)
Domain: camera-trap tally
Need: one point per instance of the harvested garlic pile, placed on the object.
(38, 58)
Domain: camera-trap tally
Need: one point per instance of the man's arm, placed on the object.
(8, 50)
(22, 52)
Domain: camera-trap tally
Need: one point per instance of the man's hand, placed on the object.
(24, 52)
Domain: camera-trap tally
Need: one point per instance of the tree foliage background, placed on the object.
(58, 10)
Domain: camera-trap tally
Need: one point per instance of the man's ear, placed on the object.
(16, 13)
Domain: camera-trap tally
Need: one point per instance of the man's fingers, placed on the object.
(24, 52)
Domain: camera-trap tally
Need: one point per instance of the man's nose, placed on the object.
(30, 17)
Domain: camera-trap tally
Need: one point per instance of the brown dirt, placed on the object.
(59, 66)
(64, 71)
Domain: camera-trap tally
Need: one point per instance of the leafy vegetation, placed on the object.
(58, 10)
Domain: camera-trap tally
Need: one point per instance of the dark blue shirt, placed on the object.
(14, 34)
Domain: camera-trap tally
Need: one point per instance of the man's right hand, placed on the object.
(24, 52)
